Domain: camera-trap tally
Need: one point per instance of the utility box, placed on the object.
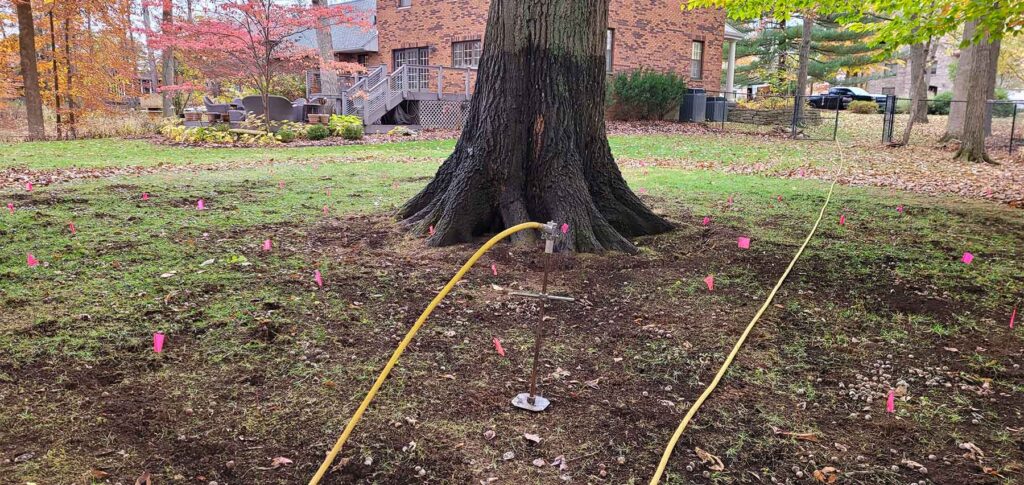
(716, 108)
(694, 104)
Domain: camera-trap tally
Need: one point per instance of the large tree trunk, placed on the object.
(972, 136)
(958, 105)
(993, 77)
(29, 70)
(325, 44)
(918, 88)
(168, 59)
(802, 67)
(919, 81)
(534, 145)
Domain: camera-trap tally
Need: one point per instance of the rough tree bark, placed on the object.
(325, 45)
(534, 146)
(168, 59)
(979, 86)
(958, 105)
(29, 70)
(803, 64)
(918, 88)
(919, 81)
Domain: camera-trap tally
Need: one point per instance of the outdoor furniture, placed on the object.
(280, 108)
(214, 107)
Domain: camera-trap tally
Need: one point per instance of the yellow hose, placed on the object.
(405, 343)
(739, 343)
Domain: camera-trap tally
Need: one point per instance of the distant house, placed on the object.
(895, 79)
(433, 47)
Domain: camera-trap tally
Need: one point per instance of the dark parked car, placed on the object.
(841, 97)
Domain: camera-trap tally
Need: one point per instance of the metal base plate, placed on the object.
(522, 401)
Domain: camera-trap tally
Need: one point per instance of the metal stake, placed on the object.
(530, 400)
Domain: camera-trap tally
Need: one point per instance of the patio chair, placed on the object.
(280, 108)
(215, 107)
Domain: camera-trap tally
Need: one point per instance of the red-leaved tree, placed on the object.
(253, 40)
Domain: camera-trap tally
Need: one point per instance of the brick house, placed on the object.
(895, 79)
(448, 36)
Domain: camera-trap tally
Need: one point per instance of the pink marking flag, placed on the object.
(706, 221)
(267, 245)
(10, 207)
(899, 208)
(494, 268)
(779, 198)
(967, 258)
(158, 342)
(565, 228)
(842, 219)
(710, 281)
(145, 196)
(28, 186)
(642, 191)
(890, 403)
(802, 173)
(326, 210)
(431, 230)
(498, 347)
(200, 205)
(280, 185)
(31, 260)
(1013, 316)
(730, 200)
(319, 279)
(743, 242)
(71, 226)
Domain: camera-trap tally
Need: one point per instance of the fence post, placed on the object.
(440, 82)
(835, 127)
(1013, 127)
(796, 115)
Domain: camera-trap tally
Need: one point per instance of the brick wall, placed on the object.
(648, 33)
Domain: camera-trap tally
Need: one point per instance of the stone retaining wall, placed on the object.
(777, 117)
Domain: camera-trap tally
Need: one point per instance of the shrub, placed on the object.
(286, 135)
(644, 95)
(1002, 110)
(352, 132)
(939, 105)
(401, 131)
(863, 107)
(338, 122)
(902, 106)
(767, 102)
(317, 132)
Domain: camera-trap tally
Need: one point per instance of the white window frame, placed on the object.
(697, 60)
(461, 59)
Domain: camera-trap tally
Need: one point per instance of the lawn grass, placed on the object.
(103, 153)
(260, 363)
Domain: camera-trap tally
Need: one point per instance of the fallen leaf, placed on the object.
(144, 479)
(797, 436)
(532, 437)
(98, 474)
(826, 475)
(539, 462)
(208, 262)
(713, 462)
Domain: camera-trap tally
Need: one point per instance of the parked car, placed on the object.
(841, 97)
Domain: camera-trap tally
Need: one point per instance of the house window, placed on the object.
(466, 54)
(889, 91)
(361, 59)
(404, 3)
(933, 66)
(697, 60)
(890, 69)
(609, 50)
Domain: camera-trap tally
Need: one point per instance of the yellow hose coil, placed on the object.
(739, 343)
(405, 343)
